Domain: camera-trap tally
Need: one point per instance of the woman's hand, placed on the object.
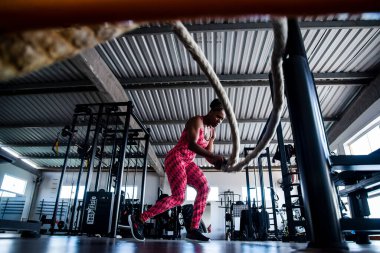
(219, 163)
(216, 160)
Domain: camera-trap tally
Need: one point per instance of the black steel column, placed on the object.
(145, 168)
(250, 226)
(90, 167)
(114, 151)
(121, 158)
(272, 193)
(105, 132)
(52, 224)
(311, 146)
(286, 184)
(264, 231)
(85, 145)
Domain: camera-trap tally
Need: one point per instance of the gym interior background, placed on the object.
(155, 72)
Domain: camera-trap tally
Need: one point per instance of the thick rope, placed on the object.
(198, 55)
(280, 30)
(280, 38)
(27, 51)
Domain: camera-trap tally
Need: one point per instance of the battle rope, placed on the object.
(280, 38)
(27, 51)
(198, 55)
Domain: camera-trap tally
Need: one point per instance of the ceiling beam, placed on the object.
(257, 120)
(251, 79)
(9, 89)
(104, 169)
(368, 96)
(208, 168)
(180, 82)
(48, 145)
(18, 162)
(241, 155)
(233, 84)
(242, 142)
(253, 26)
(94, 67)
(108, 156)
(146, 122)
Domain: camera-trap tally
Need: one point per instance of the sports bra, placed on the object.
(183, 145)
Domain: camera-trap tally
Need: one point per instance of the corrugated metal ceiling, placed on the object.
(159, 58)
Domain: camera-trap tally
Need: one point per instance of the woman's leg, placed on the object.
(197, 179)
(176, 172)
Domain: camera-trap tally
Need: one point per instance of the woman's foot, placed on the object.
(137, 227)
(195, 235)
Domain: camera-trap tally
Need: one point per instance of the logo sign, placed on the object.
(91, 210)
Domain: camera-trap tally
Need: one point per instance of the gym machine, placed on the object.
(292, 193)
(359, 175)
(259, 220)
(229, 201)
(313, 157)
(104, 141)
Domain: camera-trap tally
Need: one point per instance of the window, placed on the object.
(374, 203)
(366, 141)
(213, 195)
(68, 192)
(12, 184)
(374, 207)
(244, 194)
(4, 194)
(131, 192)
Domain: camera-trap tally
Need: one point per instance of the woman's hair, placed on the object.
(216, 105)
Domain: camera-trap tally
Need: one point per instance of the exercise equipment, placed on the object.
(98, 210)
(280, 37)
(292, 192)
(103, 126)
(359, 175)
(11, 208)
(227, 200)
(187, 215)
(259, 220)
(311, 148)
(27, 229)
(64, 42)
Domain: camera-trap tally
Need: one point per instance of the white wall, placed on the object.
(231, 182)
(50, 181)
(214, 216)
(17, 172)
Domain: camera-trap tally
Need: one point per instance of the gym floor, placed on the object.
(74, 244)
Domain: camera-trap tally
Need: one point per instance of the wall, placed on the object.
(50, 181)
(214, 215)
(17, 172)
(233, 182)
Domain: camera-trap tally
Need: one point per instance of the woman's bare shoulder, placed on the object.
(196, 121)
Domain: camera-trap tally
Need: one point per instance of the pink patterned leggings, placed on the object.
(181, 173)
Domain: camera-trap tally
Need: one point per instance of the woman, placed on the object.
(197, 138)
